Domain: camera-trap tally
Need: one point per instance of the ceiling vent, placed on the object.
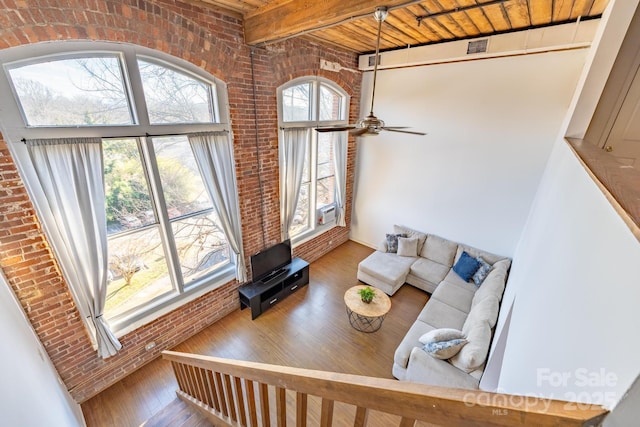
(372, 60)
(477, 46)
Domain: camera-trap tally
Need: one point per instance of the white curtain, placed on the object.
(70, 172)
(292, 156)
(214, 156)
(340, 165)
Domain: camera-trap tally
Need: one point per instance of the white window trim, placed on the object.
(316, 229)
(14, 130)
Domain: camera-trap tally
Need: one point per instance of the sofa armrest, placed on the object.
(426, 369)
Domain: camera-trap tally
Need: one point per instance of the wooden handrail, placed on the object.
(224, 391)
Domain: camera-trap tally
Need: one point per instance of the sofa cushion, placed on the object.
(409, 232)
(456, 280)
(466, 266)
(456, 296)
(410, 340)
(428, 370)
(493, 286)
(429, 270)
(439, 250)
(441, 334)
(387, 267)
(408, 246)
(474, 353)
(440, 315)
(444, 349)
(485, 310)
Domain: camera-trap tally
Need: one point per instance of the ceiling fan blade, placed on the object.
(358, 131)
(335, 129)
(404, 131)
(396, 127)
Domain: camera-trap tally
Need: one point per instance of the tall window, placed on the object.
(304, 104)
(165, 241)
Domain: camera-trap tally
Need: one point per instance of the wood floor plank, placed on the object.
(309, 329)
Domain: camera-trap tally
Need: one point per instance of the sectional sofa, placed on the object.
(455, 304)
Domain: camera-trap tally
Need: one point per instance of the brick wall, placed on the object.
(212, 40)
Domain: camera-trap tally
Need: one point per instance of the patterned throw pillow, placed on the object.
(444, 349)
(392, 242)
(482, 272)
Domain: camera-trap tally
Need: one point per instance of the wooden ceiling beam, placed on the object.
(286, 18)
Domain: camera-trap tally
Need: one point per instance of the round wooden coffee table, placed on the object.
(366, 317)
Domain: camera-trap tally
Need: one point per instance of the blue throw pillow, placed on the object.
(466, 266)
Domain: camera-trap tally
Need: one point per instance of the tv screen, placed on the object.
(270, 261)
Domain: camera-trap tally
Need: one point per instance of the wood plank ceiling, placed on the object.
(350, 23)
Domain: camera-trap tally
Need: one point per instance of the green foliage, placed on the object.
(367, 294)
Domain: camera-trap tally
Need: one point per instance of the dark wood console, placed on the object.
(260, 296)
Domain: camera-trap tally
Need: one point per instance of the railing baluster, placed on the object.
(190, 383)
(229, 391)
(205, 386)
(202, 389)
(264, 404)
(301, 409)
(242, 409)
(214, 393)
(361, 417)
(251, 402)
(281, 406)
(177, 369)
(221, 394)
(326, 413)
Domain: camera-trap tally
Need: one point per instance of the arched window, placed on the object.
(312, 164)
(165, 240)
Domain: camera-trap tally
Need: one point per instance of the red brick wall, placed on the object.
(212, 40)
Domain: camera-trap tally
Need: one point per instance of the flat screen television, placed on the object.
(270, 262)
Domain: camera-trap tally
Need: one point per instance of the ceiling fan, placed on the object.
(371, 125)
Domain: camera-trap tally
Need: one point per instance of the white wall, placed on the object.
(491, 125)
(30, 391)
(574, 281)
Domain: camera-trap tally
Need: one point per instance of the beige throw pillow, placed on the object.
(408, 246)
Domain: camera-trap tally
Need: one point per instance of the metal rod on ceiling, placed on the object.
(458, 9)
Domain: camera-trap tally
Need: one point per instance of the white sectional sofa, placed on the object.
(454, 303)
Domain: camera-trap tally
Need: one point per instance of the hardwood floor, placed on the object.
(309, 329)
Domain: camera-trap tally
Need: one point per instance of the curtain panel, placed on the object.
(70, 174)
(293, 152)
(213, 152)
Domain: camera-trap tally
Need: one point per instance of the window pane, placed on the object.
(137, 270)
(174, 97)
(296, 103)
(330, 104)
(126, 190)
(201, 244)
(301, 219)
(325, 188)
(325, 192)
(73, 92)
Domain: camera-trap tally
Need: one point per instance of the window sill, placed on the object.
(312, 234)
(125, 324)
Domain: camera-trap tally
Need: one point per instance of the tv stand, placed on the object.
(259, 296)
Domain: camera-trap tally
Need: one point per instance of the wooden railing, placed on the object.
(239, 393)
